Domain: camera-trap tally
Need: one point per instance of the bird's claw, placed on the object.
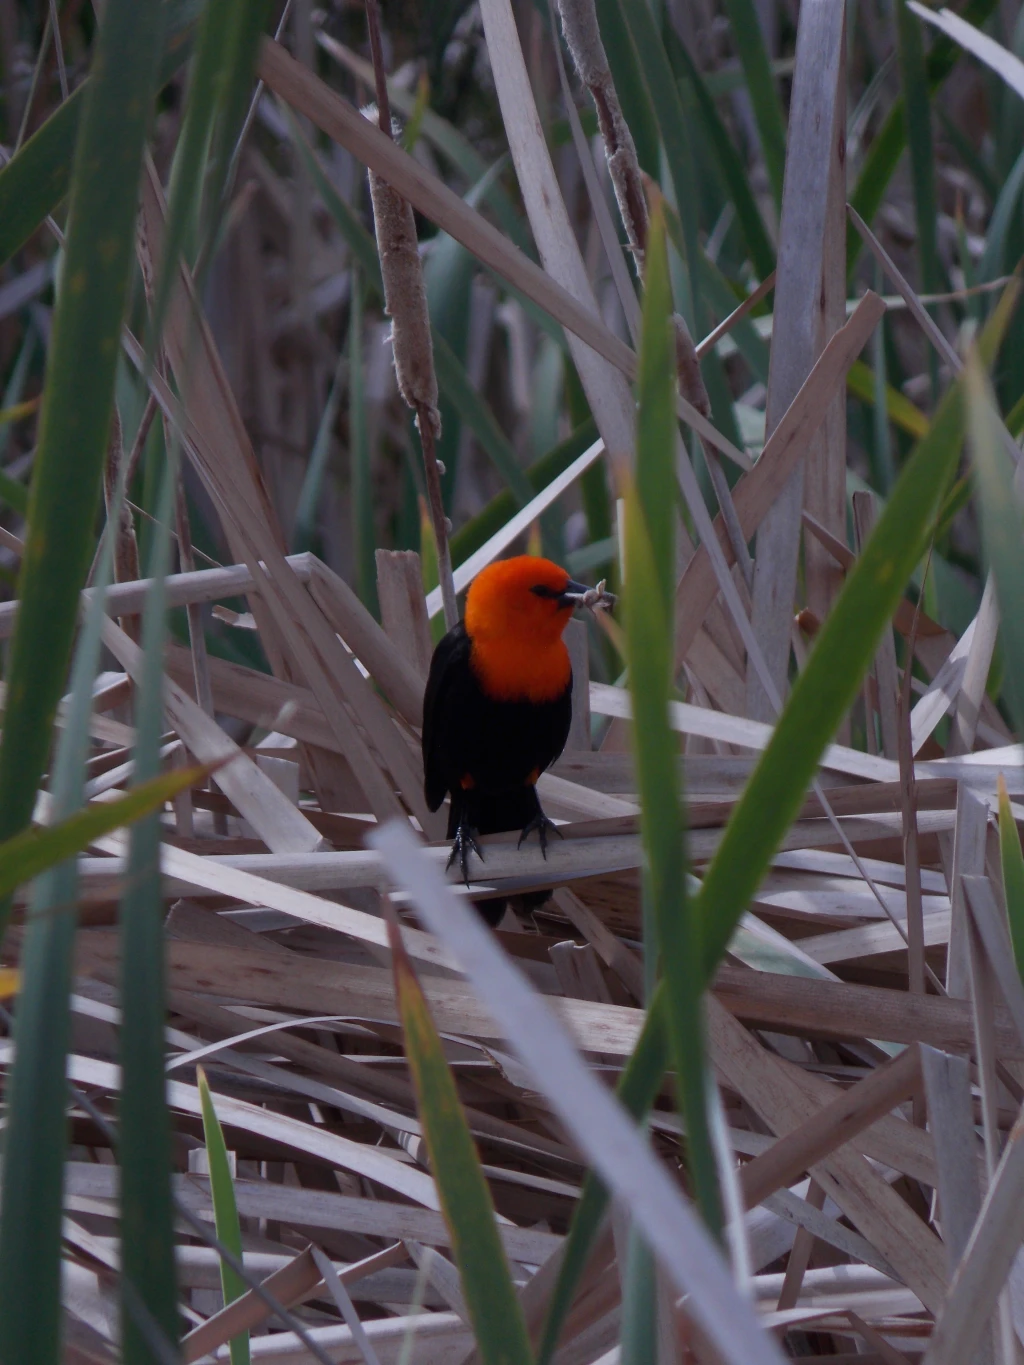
(465, 839)
(541, 824)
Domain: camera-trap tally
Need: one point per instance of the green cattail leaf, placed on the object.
(498, 1323)
(649, 597)
(1002, 527)
(1012, 860)
(225, 1209)
(78, 393)
(32, 852)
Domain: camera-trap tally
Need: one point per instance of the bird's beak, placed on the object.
(580, 595)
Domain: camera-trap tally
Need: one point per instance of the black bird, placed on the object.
(498, 703)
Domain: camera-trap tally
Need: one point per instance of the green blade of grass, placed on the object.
(764, 98)
(649, 614)
(1004, 219)
(14, 494)
(494, 1309)
(148, 1288)
(650, 571)
(33, 851)
(78, 393)
(861, 382)
(639, 1332)
(304, 528)
(656, 439)
(1002, 528)
(225, 1210)
(16, 381)
(36, 178)
(36, 1137)
(1012, 860)
(360, 455)
(638, 1085)
(149, 1276)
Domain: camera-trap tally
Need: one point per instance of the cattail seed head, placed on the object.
(405, 299)
(579, 24)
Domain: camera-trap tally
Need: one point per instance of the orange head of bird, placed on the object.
(516, 611)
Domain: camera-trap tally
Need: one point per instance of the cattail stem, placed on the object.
(405, 302)
(379, 75)
(438, 519)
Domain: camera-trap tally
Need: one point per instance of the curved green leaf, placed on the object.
(225, 1209)
(78, 394)
(1012, 860)
(35, 850)
(498, 1323)
(649, 598)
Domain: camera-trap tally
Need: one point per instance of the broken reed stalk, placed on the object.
(583, 38)
(405, 303)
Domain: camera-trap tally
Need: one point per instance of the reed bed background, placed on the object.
(307, 314)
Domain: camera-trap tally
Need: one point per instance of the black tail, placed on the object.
(493, 812)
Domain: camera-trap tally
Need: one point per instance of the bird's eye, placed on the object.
(542, 590)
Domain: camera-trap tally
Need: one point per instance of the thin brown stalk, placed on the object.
(405, 302)
(800, 1256)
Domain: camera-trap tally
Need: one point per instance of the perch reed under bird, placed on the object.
(498, 703)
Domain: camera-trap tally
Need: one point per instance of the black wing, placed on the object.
(560, 724)
(449, 663)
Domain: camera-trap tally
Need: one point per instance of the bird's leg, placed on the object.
(465, 839)
(541, 824)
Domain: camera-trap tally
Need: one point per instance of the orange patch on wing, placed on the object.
(531, 781)
(467, 782)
